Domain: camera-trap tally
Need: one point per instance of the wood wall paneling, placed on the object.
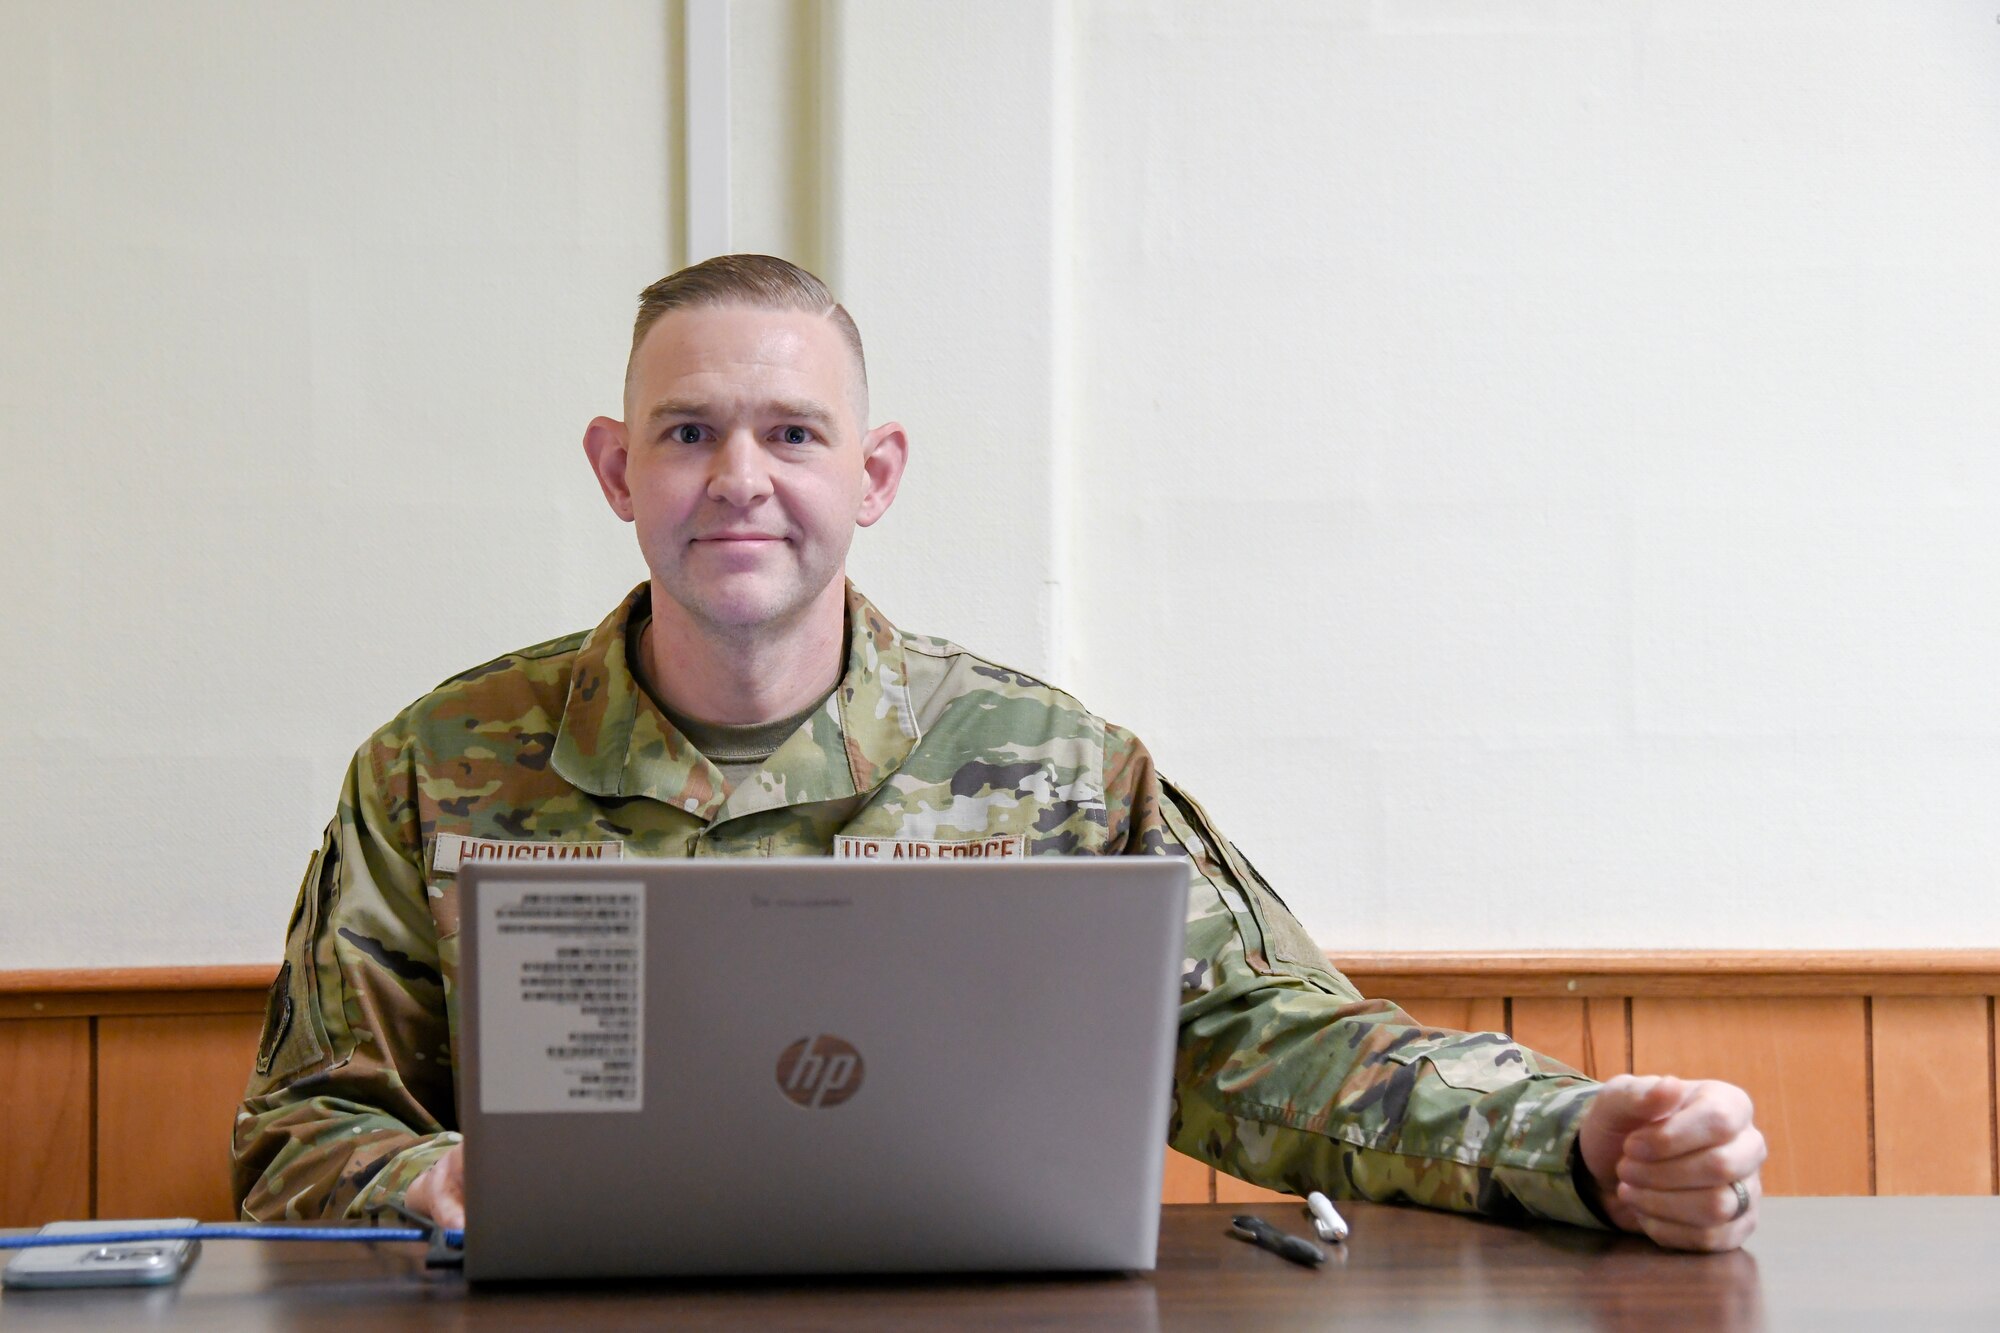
(1187, 1180)
(1228, 1189)
(1804, 1062)
(1692, 973)
(96, 992)
(44, 1120)
(41, 983)
(1587, 1035)
(1460, 1013)
(167, 1092)
(1933, 1096)
(173, 1048)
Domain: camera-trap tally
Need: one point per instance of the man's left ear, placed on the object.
(884, 451)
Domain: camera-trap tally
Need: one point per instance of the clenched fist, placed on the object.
(1676, 1159)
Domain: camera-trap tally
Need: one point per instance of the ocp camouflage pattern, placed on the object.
(1285, 1075)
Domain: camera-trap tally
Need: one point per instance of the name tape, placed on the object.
(454, 849)
(998, 847)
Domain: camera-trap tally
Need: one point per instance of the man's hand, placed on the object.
(1666, 1153)
(439, 1193)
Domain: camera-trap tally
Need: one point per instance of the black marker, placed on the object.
(1262, 1234)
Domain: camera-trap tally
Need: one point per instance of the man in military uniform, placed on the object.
(747, 701)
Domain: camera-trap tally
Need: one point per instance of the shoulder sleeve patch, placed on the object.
(1285, 942)
(290, 1042)
(277, 1019)
(1284, 937)
(288, 1045)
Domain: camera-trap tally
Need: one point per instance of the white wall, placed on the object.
(303, 312)
(1530, 468)
(1553, 456)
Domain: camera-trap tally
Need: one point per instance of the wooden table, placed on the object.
(1894, 1264)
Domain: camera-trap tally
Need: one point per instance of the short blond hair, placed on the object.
(761, 282)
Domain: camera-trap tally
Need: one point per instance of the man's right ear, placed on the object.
(604, 443)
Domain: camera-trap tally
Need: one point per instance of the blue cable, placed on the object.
(453, 1236)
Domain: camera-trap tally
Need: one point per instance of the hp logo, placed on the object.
(819, 1071)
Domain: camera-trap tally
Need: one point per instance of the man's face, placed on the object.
(743, 463)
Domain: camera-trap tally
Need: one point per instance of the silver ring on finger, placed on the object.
(1742, 1199)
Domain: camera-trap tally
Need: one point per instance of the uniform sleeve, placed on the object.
(351, 1097)
(1286, 1077)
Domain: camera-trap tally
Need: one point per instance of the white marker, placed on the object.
(1330, 1225)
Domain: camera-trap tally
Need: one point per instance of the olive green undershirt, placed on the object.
(736, 751)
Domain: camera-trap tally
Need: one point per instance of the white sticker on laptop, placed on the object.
(562, 996)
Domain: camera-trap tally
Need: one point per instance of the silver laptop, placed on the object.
(816, 1066)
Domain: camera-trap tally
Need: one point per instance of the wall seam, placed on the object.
(1868, 1056)
(831, 16)
(705, 122)
(1058, 610)
(1992, 1102)
(96, 1120)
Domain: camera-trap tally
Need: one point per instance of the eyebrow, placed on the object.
(795, 409)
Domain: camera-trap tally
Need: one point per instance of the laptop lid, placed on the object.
(769, 1066)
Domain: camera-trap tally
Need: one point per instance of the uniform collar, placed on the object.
(614, 741)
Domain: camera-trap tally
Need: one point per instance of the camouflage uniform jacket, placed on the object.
(1285, 1076)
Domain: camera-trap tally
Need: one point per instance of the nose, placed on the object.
(739, 475)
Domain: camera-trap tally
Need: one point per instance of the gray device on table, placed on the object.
(146, 1263)
(703, 1067)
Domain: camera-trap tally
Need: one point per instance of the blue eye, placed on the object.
(689, 434)
(797, 435)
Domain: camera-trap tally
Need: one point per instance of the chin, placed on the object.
(742, 607)
(746, 599)
(741, 615)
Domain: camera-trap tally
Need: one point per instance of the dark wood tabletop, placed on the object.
(1881, 1264)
